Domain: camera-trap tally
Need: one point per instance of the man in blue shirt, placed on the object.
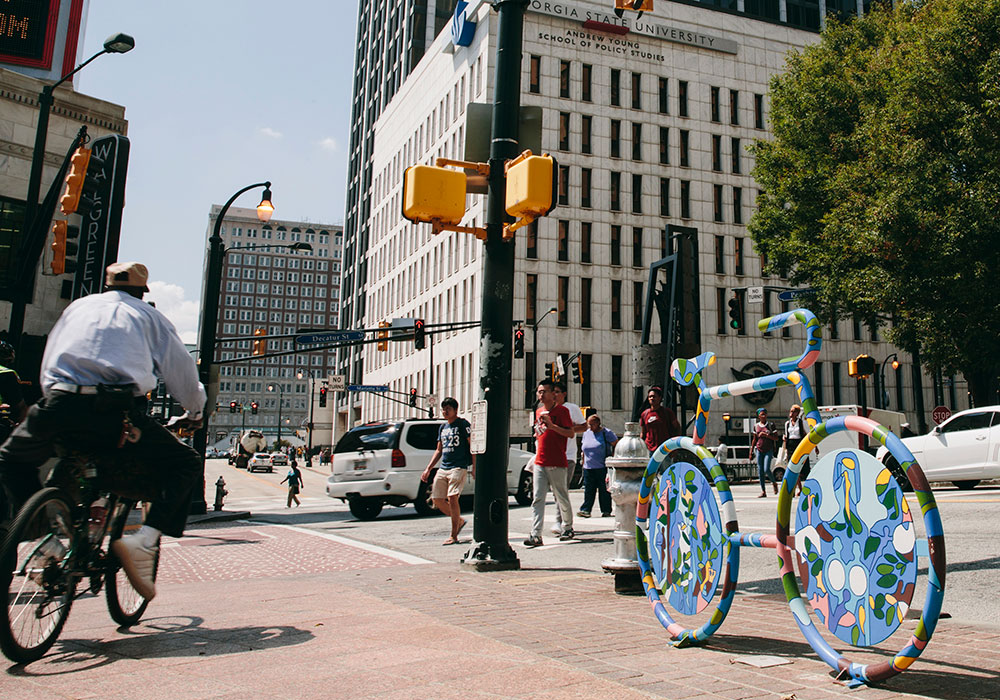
(453, 450)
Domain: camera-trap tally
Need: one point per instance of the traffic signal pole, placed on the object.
(491, 550)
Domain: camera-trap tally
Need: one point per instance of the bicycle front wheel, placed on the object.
(37, 575)
(125, 604)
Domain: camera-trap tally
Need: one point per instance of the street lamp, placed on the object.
(210, 317)
(883, 392)
(116, 43)
(534, 343)
(281, 400)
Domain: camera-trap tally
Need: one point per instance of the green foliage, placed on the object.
(881, 186)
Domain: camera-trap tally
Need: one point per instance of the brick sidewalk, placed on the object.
(434, 631)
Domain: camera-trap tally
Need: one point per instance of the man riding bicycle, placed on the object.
(102, 357)
(12, 405)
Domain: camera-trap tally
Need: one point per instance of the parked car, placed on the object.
(212, 453)
(380, 464)
(261, 461)
(279, 459)
(964, 450)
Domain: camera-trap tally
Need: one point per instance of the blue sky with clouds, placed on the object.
(220, 94)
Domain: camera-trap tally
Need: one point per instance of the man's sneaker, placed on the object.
(533, 542)
(567, 535)
(557, 529)
(607, 515)
(139, 563)
(582, 514)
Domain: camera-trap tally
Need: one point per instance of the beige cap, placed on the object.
(127, 274)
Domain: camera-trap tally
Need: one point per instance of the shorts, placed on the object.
(448, 482)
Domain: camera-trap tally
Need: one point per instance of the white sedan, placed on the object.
(964, 450)
(260, 461)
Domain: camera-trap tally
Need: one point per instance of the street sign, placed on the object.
(940, 414)
(100, 229)
(332, 337)
(336, 382)
(755, 295)
(368, 387)
(793, 294)
(477, 443)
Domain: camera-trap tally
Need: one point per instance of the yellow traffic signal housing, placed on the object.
(73, 199)
(852, 369)
(64, 247)
(861, 367)
(531, 189)
(383, 336)
(433, 195)
(639, 6)
(260, 346)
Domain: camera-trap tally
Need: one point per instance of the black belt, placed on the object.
(76, 389)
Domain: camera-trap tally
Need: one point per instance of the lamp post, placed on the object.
(534, 344)
(210, 317)
(281, 400)
(312, 400)
(882, 392)
(117, 43)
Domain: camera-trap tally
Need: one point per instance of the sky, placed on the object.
(220, 94)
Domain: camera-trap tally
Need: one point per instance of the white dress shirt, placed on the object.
(114, 338)
(575, 415)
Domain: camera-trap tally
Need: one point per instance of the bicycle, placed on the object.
(61, 536)
(854, 544)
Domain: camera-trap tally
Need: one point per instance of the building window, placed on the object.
(637, 194)
(721, 300)
(616, 245)
(587, 80)
(758, 111)
(856, 327)
(636, 91)
(664, 89)
(586, 130)
(685, 199)
(564, 131)
(734, 107)
(586, 238)
(737, 205)
(636, 247)
(616, 382)
(637, 306)
(563, 78)
(836, 382)
(682, 98)
(738, 245)
(616, 88)
(717, 153)
(616, 138)
(717, 202)
(616, 305)
(585, 186)
(685, 148)
(564, 184)
(616, 191)
(531, 240)
(664, 145)
(737, 154)
(563, 240)
(534, 78)
(664, 196)
(636, 141)
(818, 382)
(834, 330)
(714, 103)
(563, 305)
(720, 255)
(530, 299)
(585, 301)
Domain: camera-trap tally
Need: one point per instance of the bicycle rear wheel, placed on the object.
(125, 604)
(36, 575)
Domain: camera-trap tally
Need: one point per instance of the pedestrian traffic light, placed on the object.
(531, 189)
(64, 247)
(253, 407)
(81, 182)
(550, 370)
(383, 336)
(861, 367)
(419, 335)
(260, 346)
(519, 343)
(413, 398)
(322, 397)
(232, 407)
(432, 194)
(576, 370)
(735, 312)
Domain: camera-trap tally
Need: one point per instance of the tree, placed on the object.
(881, 186)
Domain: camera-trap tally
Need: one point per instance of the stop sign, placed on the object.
(940, 414)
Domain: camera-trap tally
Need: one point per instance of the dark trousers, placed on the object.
(595, 482)
(167, 467)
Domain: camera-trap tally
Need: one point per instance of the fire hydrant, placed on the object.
(220, 493)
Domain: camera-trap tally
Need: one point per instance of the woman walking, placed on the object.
(598, 444)
(762, 444)
(294, 479)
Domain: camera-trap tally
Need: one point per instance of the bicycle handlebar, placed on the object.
(814, 336)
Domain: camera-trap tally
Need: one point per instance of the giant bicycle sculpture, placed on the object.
(854, 544)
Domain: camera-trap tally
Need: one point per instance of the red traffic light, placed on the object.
(253, 408)
(419, 334)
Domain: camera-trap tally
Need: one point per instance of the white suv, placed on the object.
(380, 463)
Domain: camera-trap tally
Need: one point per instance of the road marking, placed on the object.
(401, 556)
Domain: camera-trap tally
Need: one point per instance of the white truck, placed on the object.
(249, 443)
(893, 420)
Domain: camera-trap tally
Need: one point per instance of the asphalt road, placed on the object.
(973, 552)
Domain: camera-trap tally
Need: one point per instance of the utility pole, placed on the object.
(491, 550)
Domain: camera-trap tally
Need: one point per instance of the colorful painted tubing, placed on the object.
(814, 336)
(864, 673)
(681, 635)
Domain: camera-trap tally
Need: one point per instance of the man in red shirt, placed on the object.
(553, 426)
(658, 422)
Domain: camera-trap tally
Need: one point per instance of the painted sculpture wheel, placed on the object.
(690, 585)
(890, 563)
